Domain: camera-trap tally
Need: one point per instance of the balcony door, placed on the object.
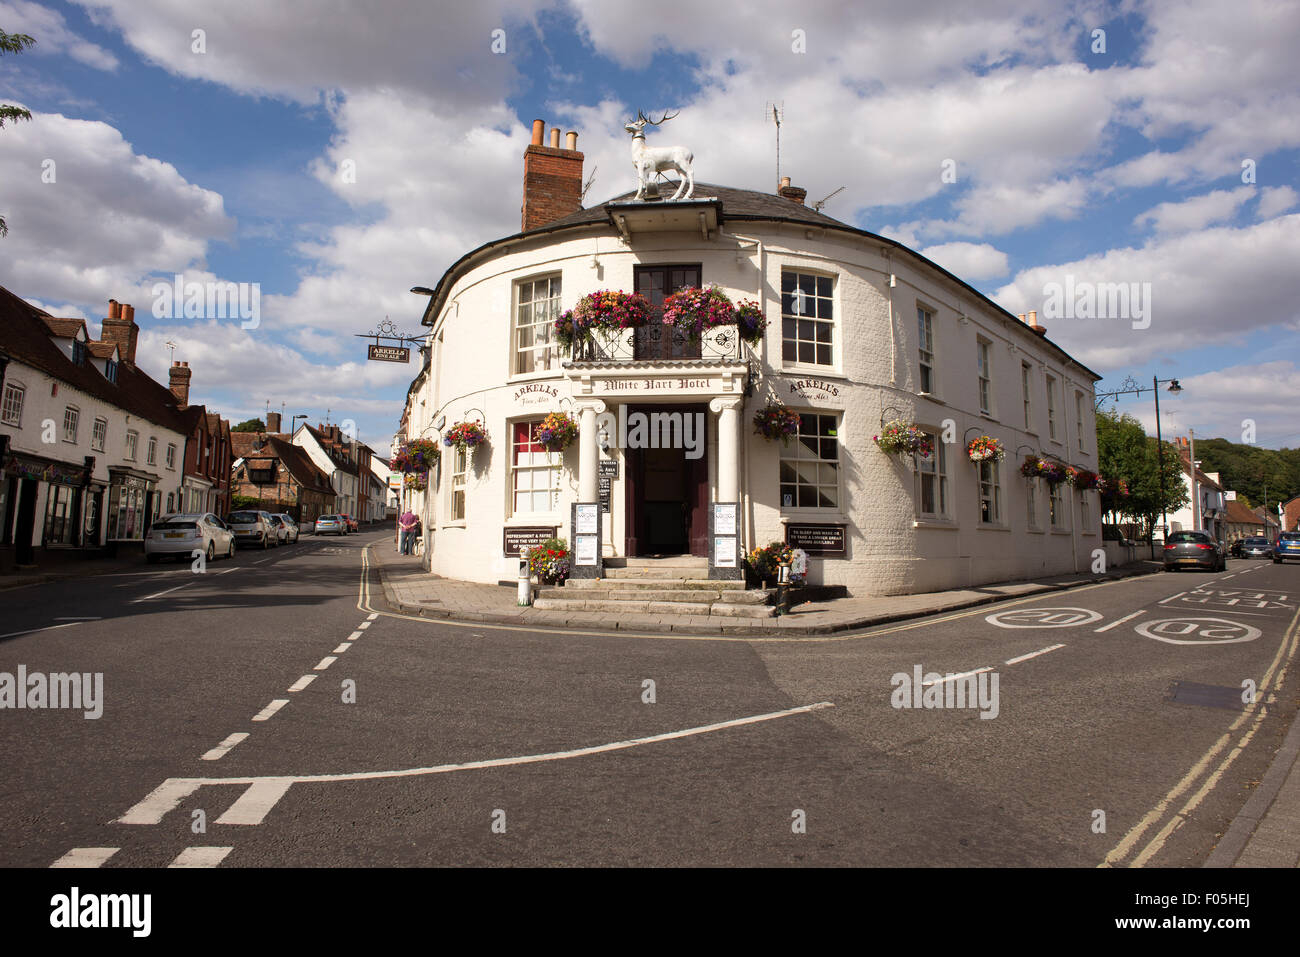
(656, 283)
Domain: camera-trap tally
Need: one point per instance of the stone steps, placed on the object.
(649, 607)
(672, 585)
(656, 584)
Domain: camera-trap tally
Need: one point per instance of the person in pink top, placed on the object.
(406, 523)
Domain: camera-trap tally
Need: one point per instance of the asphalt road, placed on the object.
(760, 752)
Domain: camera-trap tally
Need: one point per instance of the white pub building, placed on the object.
(860, 331)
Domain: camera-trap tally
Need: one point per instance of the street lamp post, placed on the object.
(1131, 387)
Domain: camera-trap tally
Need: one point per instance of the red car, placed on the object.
(353, 525)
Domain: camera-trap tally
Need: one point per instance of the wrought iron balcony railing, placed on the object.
(658, 342)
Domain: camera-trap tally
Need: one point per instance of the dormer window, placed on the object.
(78, 352)
(110, 371)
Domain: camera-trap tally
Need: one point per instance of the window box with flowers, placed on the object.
(602, 315)
(695, 310)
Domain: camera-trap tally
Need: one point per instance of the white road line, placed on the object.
(302, 682)
(32, 631)
(161, 593)
(373, 616)
(341, 648)
(325, 663)
(221, 750)
(263, 792)
(254, 804)
(266, 713)
(86, 857)
(354, 636)
(201, 857)
(165, 797)
(364, 625)
(229, 570)
(964, 674)
(80, 618)
(1032, 654)
(1171, 598)
(1120, 621)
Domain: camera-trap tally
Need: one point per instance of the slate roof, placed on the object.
(332, 450)
(25, 336)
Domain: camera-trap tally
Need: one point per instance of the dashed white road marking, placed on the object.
(263, 792)
(86, 857)
(227, 571)
(201, 857)
(266, 713)
(354, 636)
(221, 750)
(159, 594)
(32, 631)
(341, 648)
(325, 663)
(1120, 621)
(302, 682)
(1171, 598)
(363, 626)
(373, 616)
(1033, 654)
(947, 678)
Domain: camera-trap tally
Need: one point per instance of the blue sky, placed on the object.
(222, 163)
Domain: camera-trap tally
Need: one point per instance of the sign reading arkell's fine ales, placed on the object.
(388, 353)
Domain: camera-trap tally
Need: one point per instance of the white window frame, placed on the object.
(99, 434)
(797, 453)
(1078, 418)
(15, 397)
(1055, 505)
(925, 349)
(990, 492)
(458, 486)
(935, 471)
(1085, 514)
(1026, 379)
(171, 456)
(544, 355)
(984, 370)
(832, 324)
(1031, 502)
(539, 464)
(1050, 381)
(151, 451)
(132, 445)
(71, 423)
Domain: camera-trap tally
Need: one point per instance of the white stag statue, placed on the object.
(649, 161)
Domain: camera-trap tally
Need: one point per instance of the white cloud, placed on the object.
(1209, 287)
(52, 35)
(1195, 213)
(1274, 200)
(969, 261)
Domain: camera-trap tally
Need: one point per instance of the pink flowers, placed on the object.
(903, 438)
(465, 435)
(602, 310)
(776, 422)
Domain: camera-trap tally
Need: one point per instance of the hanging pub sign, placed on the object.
(388, 353)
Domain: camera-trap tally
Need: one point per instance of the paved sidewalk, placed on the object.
(414, 591)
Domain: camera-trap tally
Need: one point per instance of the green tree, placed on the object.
(1125, 451)
(250, 425)
(12, 43)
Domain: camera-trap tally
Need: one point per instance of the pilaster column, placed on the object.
(728, 413)
(589, 450)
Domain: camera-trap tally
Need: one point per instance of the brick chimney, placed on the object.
(552, 178)
(793, 193)
(273, 421)
(179, 379)
(120, 329)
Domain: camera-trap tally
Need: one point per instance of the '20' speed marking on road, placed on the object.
(1197, 631)
(1043, 617)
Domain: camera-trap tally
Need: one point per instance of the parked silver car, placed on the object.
(181, 534)
(289, 526)
(331, 525)
(252, 528)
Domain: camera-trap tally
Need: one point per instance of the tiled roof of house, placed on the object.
(25, 335)
(67, 328)
(300, 465)
(1238, 513)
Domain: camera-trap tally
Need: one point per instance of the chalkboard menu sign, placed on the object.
(817, 539)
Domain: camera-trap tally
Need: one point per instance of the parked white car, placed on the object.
(181, 534)
(288, 525)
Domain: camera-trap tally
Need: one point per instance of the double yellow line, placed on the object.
(1251, 718)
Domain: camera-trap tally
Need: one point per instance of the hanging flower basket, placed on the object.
(1080, 479)
(903, 438)
(691, 311)
(465, 435)
(750, 322)
(416, 481)
(985, 448)
(775, 421)
(601, 310)
(1112, 490)
(557, 432)
(415, 455)
(1053, 473)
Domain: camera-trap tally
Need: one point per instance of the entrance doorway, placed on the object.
(666, 508)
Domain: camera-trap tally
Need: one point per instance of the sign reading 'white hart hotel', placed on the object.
(859, 331)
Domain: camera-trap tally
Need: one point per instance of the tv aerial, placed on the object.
(825, 199)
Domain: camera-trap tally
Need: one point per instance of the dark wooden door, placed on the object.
(656, 283)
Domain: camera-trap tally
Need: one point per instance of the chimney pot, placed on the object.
(179, 381)
(785, 181)
(539, 130)
(114, 309)
(552, 180)
(571, 140)
(555, 137)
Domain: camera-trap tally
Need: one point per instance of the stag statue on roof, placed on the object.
(650, 161)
